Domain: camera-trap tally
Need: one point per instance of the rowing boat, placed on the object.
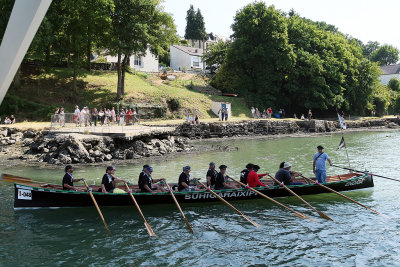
(39, 195)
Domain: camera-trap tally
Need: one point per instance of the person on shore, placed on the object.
(68, 180)
(95, 116)
(319, 164)
(269, 112)
(134, 116)
(146, 181)
(309, 114)
(82, 116)
(302, 117)
(101, 117)
(253, 178)
(77, 112)
(244, 173)
(56, 115)
(128, 115)
(211, 175)
(184, 180)
(221, 182)
(12, 119)
(7, 120)
(295, 116)
(122, 117)
(196, 120)
(257, 113)
(113, 115)
(284, 175)
(109, 180)
(253, 112)
(62, 117)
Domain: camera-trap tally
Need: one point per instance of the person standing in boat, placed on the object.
(245, 173)
(285, 176)
(146, 181)
(221, 181)
(109, 180)
(211, 175)
(319, 164)
(68, 179)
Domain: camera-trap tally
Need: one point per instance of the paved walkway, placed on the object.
(115, 130)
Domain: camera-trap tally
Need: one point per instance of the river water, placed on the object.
(356, 237)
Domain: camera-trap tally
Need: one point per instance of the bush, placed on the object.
(142, 74)
(173, 104)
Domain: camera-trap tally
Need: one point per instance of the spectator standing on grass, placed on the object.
(253, 112)
(82, 116)
(113, 115)
(302, 117)
(257, 113)
(95, 116)
(269, 112)
(12, 119)
(122, 117)
(309, 114)
(283, 113)
(295, 116)
(62, 117)
(101, 116)
(77, 112)
(264, 114)
(134, 115)
(108, 117)
(128, 115)
(226, 114)
(56, 115)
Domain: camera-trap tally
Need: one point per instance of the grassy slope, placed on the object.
(98, 89)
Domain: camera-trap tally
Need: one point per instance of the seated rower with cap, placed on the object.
(221, 182)
(211, 175)
(285, 176)
(68, 179)
(184, 180)
(146, 181)
(253, 178)
(109, 180)
(245, 173)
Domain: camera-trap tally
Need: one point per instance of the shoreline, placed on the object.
(49, 149)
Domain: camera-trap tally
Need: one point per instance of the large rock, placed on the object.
(78, 150)
(64, 159)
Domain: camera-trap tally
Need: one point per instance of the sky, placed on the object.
(367, 20)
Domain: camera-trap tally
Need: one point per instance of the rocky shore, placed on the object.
(56, 148)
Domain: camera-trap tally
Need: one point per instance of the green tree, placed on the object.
(370, 48)
(191, 27)
(385, 55)
(215, 55)
(136, 26)
(394, 84)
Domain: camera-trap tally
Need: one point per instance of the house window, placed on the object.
(196, 62)
(138, 61)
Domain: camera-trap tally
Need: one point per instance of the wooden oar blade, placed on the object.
(188, 225)
(251, 221)
(323, 215)
(149, 230)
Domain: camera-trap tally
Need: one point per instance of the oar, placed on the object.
(232, 207)
(366, 173)
(336, 192)
(95, 203)
(323, 215)
(179, 207)
(298, 214)
(148, 227)
(16, 179)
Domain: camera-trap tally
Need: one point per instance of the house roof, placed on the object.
(390, 69)
(190, 50)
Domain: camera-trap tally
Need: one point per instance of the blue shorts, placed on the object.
(321, 176)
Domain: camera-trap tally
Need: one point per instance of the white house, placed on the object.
(147, 63)
(186, 57)
(389, 72)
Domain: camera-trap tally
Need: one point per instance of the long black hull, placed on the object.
(34, 197)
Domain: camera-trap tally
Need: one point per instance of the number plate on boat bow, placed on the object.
(24, 194)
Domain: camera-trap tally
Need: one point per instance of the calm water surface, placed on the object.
(356, 237)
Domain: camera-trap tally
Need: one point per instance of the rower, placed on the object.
(253, 178)
(146, 181)
(211, 175)
(245, 173)
(285, 175)
(109, 180)
(221, 180)
(184, 180)
(68, 179)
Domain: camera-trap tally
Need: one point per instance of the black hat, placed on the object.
(320, 147)
(256, 167)
(145, 166)
(110, 168)
(68, 167)
(223, 167)
(250, 166)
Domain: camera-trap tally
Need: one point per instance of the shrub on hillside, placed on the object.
(173, 104)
